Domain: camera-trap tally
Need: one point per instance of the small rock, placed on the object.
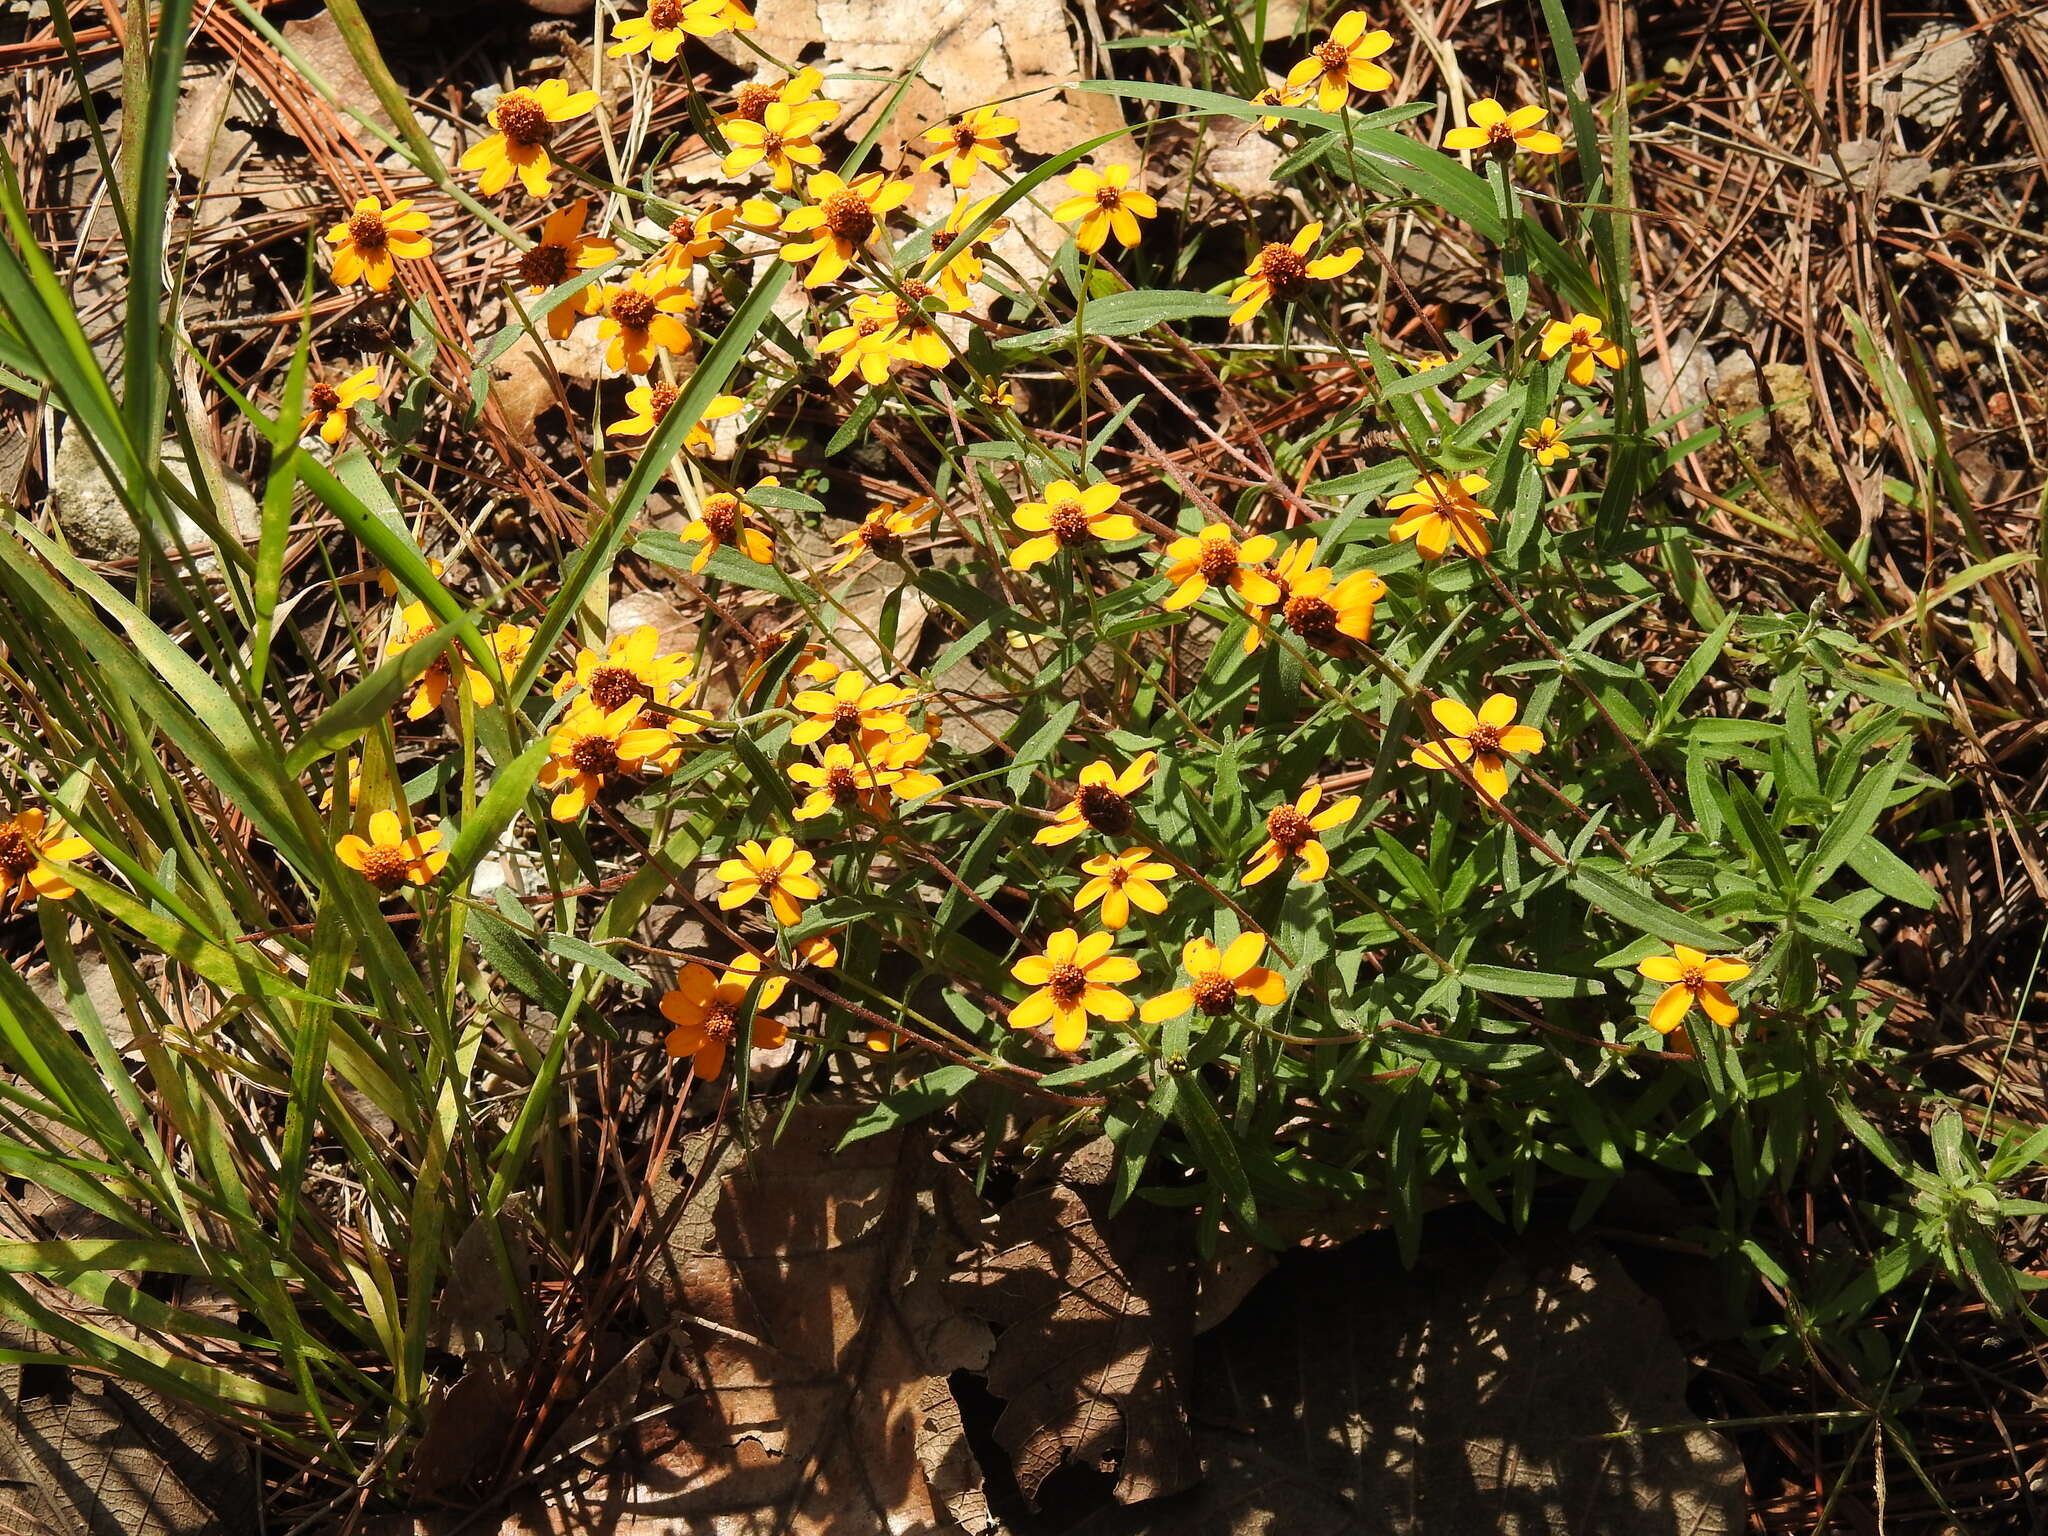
(94, 519)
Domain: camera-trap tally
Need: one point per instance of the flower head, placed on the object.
(1217, 978)
(842, 780)
(705, 1009)
(692, 236)
(840, 220)
(1693, 977)
(330, 404)
(1442, 510)
(591, 747)
(1323, 611)
(660, 32)
(1073, 977)
(1103, 204)
(1102, 802)
(751, 99)
(526, 121)
(31, 848)
(389, 857)
(1291, 834)
(1482, 740)
(415, 623)
(722, 519)
(851, 708)
(884, 532)
(968, 141)
(649, 404)
(1071, 517)
(1589, 349)
(559, 254)
(1122, 881)
(779, 874)
(1279, 96)
(1344, 63)
(1546, 441)
(956, 263)
(1283, 272)
(781, 140)
(1500, 132)
(639, 317)
(366, 241)
(1215, 558)
(630, 668)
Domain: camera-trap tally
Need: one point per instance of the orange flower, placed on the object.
(1343, 63)
(591, 747)
(639, 317)
(883, 532)
(841, 781)
(661, 31)
(957, 263)
(1442, 510)
(1102, 802)
(1122, 881)
(1546, 441)
(31, 848)
(1291, 834)
(1103, 204)
(559, 254)
(705, 1009)
(1074, 977)
(1501, 132)
(1217, 978)
(1589, 349)
(968, 141)
(1482, 740)
(631, 668)
(1694, 977)
(367, 240)
(781, 139)
(693, 236)
(330, 404)
(779, 874)
(1324, 612)
(722, 519)
(1070, 517)
(1283, 271)
(649, 404)
(388, 858)
(526, 121)
(840, 221)
(415, 623)
(851, 707)
(1214, 557)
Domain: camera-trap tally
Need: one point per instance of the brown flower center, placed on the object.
(841, 784)
(385, 866)
(1066, 983)
(722, 515)
(1218, 559)
(18, 854)
(632, 309)
(849, 217)
(964, 137)
(719, 1022)
(612, 686)
(1111, 198)
(1288, 828)
(1694, 979)
(660, 400)
(324, 398)
(846, 719)
(1068, 521)
(880, 539)
(1485, 740)
(909, 305)
(1104, 809)
(772, 145)
(1213, 993)
(682, 228)
(943, 240)
(366, 232)
(523, 120)
(1311, 618)
(1118, 877)
(595, 754)
(545, 265)
(1333, 56)
(752, 100)
(1283, 267)
(665, 15)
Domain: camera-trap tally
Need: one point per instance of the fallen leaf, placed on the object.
(1933, 67)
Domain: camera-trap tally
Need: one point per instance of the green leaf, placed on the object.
(929, 1094)
(1644, 913)
(1508, 981)
(1125, 314)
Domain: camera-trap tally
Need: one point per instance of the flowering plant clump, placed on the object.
(935, 619)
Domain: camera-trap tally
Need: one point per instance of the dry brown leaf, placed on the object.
(1096, 1316)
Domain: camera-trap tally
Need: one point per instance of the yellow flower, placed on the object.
(1217, 978)
(840, 220)
(1102, 802)
(650, 403)
(969, 140)
(782, 138)
(840, 781)
(883, 532)
(1280, 96)
(722, 519)
(780, 874)
(1324, 612)
(818, 950)
(415, 623)
(31, 848)
(1122, 881)
(560, 253)
(1070, 517)
(1103, 204)
(1291, 834)
(1214, 558)
(630, 669)
(511, 643)
(1074, 977)
(693, 236)
(388, 583)
(1283, 271)
(1482, 740)
(957, 263)
(1694, 977)
(388, 858)
(705, 1009)
(896, 760)
(1589, 349)
(330, 404)
(852, 707)
(526, 121)
(661, 31)
(1442, 510)
(1501, 132)
(1546, 441)
(751, 99)
(591, 746)
(366, 241)
(885, 329)
(1344, 63)
(639, 316)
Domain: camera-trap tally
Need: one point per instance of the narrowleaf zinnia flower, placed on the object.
(1283, 271)
(840, 220)
(559, 254)
(781, 139)
(1070, 517)
(1074, 977)
(1291, 834)
(31, 848)
(1693, 977)
(1103, 204)
(1217, 978)
(705, 1010)
(648, 404)
(660, 32)
(1501, 132)
(722, 519)
(1102, 802)
(1215, 558)
(526, 121)
(956, 263)
(366, 241)
(415, 623)
(850, 708)
(779, 874)
(693, 236)
(968, 141)
(389, 856)
(1344, 63)
(1481, 741)
(639, 317)
(630, 667)
(1325, 612)
(883, 533)
(1546, 441)
(591, 747)
(1122, 881)
(330, 404)
(1442, 510)
(1589, 349)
